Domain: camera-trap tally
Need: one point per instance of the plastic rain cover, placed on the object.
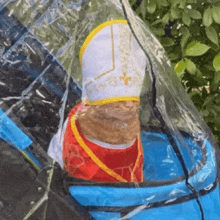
(41, 81)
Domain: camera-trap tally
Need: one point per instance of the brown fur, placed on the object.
(114, 123)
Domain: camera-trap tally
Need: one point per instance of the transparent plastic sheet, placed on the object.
(41, 81)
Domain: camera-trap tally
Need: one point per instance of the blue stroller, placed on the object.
(37, 92)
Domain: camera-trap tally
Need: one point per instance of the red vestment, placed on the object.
(86, 160)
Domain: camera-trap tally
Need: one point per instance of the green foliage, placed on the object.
(193, 48)
(196, 49)
(190, 66)
(207, 17)
(180, 68)
(212, 34)
(216, 62)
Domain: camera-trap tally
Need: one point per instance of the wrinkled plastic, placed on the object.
(41, 81)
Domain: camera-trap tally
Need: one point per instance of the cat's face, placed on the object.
(123, 110)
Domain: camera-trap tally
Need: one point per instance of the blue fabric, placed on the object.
(161, 162)
(211, 205)
(188, 210)
(106, 215)
(122, 197)
(208, 174)
(12, 134)
(28, 152)
(184, 211)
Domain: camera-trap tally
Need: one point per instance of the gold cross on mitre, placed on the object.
(125, 78)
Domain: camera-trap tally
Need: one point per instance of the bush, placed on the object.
(189, 31)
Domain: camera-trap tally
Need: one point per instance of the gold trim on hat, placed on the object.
(111, 100)
(125, 48)
(94, 32)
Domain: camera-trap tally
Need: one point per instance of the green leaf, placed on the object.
(185, 38)
(216, 14)
(196, 49)
(156, 22)
(191, 1)
(166, 18)
(205, 113)
(216, 78)
(217, 100)
(186, 19)
(207, 17)
(217, 3)
(174, 56)
(209, 99)
(158, 31)
(214, 112)
(183, 4)
(199, 74)
(193, 13)
(209, 67)
(151, 6)
(175, 13)
(163, 3)
(212, 34)
(216, 62)
(190, 66)
(180, 68)
(175, 31)
(175, 2)
(143, 7)
(166, 41)
(184, 30)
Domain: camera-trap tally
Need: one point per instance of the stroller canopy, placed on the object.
(41, 80)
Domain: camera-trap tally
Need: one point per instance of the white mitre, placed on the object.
(113, 64)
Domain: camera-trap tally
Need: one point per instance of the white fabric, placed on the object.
(55, 149)
(110, 146)
(113, 64)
